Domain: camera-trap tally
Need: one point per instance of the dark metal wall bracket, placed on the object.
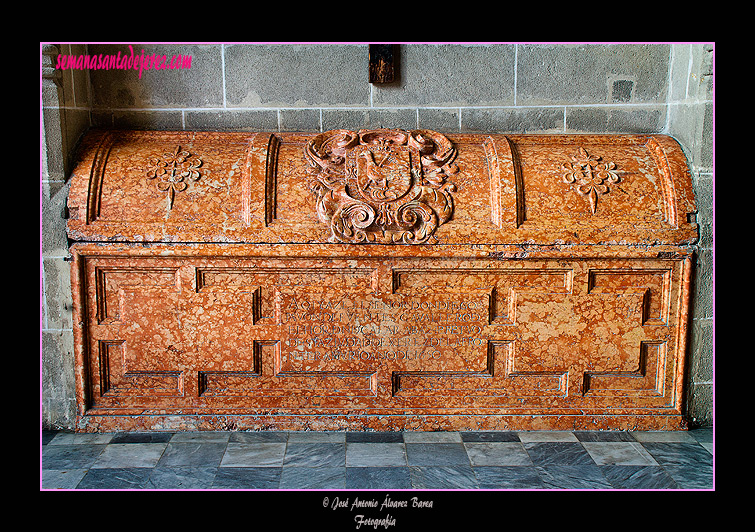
(382, 63)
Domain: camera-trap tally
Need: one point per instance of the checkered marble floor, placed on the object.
(369, 460)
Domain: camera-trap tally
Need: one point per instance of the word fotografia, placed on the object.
(126, 61)
(384, 522)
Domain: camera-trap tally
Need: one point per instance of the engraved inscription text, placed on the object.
(335, 333)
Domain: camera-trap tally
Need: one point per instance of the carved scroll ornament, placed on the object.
(383, 185)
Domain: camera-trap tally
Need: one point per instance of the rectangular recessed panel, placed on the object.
(332, 331)
(120, 379)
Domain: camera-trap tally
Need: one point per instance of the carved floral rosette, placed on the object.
(383, 185)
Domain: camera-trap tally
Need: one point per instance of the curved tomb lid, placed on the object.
(384, 186)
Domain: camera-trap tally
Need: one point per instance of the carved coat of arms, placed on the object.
(382, 185)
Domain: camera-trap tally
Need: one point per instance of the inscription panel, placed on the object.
(329, 331)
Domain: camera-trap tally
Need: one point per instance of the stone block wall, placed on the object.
(502, 88)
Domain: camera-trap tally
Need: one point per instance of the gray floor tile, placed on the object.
(443, 477)
(65, 457)
(323, 477)
(603, 436)
(262, 437)
(674, 436)
(70, 438)
(247, 478)
(508, 477)
(422, 454)
(703, 435)
(679, 454)
(201, 437)
(432, 437)
(254, 455)
(497, 454)
(61, 479)
(316, 437)
(638, 477)
(558, 453)
(619, 453)
(375, 454)
(547, 436)
(130, 455)
(118, 478)
(490, 437)
(192, 454)
(315, 455)
(556, 476)
(141, 437)
(378, 478)
(374, 437)
(692, 477)
(49, 435)
(181, 477)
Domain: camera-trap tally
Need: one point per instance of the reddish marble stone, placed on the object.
(380, 280)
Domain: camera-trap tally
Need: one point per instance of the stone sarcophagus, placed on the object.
(380, 280)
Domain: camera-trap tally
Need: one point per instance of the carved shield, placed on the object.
(383, 172)
(382, 185)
